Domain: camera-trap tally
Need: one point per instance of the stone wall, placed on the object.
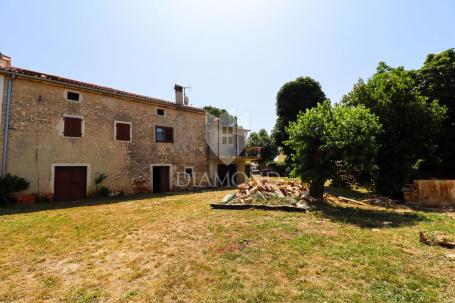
(37, 143)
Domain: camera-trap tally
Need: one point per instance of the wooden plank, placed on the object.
(257, 206)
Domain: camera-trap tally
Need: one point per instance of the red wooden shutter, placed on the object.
(72, 127)
(123, 132)
(169, 134)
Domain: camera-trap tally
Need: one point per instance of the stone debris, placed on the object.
(265, 192)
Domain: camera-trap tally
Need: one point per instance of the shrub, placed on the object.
(328, 137)
(104, 191)
(11, 184)
(280, 168)
(100, 178)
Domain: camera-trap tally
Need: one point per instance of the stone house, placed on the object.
(61, 134)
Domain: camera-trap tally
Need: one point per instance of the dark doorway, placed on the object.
(70, 183)
(248, 170)
(225, 173)
(161, 179)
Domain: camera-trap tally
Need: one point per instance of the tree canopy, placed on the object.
(437, 82)
(263, 140)
(410, 122)
(221, 113)
(294, 97)
(326, 136)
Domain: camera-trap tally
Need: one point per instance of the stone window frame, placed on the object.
(164, 134)
(171, 174)
(160, 108)
(65, 95)
(62, 130)
(115, 130)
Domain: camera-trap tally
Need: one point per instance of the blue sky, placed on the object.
(235, 54)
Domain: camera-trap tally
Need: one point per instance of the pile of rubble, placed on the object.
(281, 192)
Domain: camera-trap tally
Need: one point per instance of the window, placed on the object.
(164, 134)
(72, 127)
(227, 135)
(227, 140)
(189, 172)
(122, 131)
(73, 96)
(160, 112)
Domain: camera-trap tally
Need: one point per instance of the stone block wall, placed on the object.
(36, 140)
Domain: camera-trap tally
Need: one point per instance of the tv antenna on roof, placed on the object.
(186, 100)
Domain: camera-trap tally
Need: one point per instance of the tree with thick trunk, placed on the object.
(317, 188)
(327, 137)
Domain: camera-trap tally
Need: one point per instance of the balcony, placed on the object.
(251, 153)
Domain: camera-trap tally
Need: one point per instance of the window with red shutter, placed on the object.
(72, 127)
(164, 134)
(122, 131)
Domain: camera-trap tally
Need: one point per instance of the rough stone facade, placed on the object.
(36, 141)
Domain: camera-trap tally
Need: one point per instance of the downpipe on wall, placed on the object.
(6, 133)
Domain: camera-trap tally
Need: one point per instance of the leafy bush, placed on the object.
(326, 136)
(104, 191)
(410, 122)
(280, 168)
(100, 178)
(11, 184)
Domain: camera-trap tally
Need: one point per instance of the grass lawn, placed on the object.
(174, 248)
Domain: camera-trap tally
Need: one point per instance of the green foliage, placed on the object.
(100, 178)
(280, 168)
(437, 82)
(11, 184)
(410, 122)
(263, 140)
(325, 137)
(292, 98)
(224, 115)
(104, 191)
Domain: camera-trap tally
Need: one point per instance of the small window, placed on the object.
(230, 130)
(122, 131)
(164, 134)
(160, 112)
(225, 130)
(230, 140)
(224, 140)
(72, 127)
(189, 172)
(73, 96)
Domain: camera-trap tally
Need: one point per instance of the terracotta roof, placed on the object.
(90, 86)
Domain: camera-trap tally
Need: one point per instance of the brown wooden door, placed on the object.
(70, 183)
(164, 178)
(161, 179)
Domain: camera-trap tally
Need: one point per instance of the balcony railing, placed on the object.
(251, 152)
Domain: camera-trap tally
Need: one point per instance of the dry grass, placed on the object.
(176, 249)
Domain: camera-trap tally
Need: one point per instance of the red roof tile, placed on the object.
(90, 86)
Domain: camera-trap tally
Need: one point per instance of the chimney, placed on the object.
(5, 61)
(178, 94)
